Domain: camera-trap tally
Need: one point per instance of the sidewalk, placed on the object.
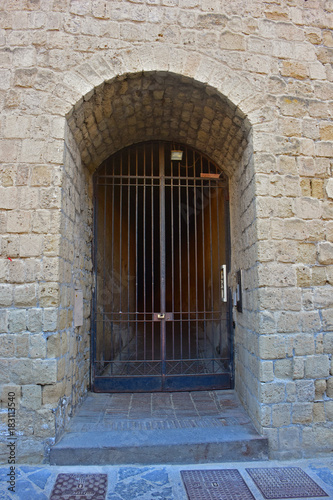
(158, 482)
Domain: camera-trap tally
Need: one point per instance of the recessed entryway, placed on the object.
(164, 427)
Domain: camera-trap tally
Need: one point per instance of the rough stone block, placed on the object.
(53, 346)
(325, 253)
(329, 389)
(7, 346)
(272, 347)
(305, 390)
(302, 413)
(327, 315)
(6, 295)
(31, 397)
(18, 222)
(329, 188)
(52, 393)
(37, 347)
(61, 368)
(329, 410)
(50, 319)
(283, 368)
(281, 414)
(266, 371)
(41, 175)
(317, 366)
(44, 423)
(272, 392)
(49, 294)
(34, 320)
(319, 412)
(17, 321)
(30, 451)
(25, 295)
(320, 388)
(44, 371)
(30, 245)
(289, 438)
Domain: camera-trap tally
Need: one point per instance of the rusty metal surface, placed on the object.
(80, 486)
(285, 482)
(161, 239)
(226, 484)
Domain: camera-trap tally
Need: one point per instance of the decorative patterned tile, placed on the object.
(285, 482)
(225, 484)
(80, 486)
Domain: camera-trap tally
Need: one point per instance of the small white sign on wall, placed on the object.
(78, 308)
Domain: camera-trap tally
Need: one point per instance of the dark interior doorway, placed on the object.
(161, 312)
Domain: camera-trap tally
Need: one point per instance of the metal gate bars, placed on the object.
(161, 318)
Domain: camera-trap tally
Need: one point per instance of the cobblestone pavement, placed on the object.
(159, 482)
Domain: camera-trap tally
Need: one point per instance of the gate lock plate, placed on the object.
(159, 316)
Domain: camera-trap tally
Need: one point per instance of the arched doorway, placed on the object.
(161, 255)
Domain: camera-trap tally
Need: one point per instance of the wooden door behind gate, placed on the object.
(161, 316)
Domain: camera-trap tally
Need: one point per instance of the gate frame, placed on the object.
(151, 384)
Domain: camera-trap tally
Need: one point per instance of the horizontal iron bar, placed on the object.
(154, 383)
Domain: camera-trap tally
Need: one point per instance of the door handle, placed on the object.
(161, 315)
(223, 277)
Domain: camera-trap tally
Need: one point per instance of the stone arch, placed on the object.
(117, 101)
(241, 89)
(143, 106)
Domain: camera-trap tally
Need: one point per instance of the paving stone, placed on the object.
(126, 472)
(40, 477)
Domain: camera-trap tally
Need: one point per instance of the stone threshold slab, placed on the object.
(171, 446)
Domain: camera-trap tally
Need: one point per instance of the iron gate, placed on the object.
(161, 318)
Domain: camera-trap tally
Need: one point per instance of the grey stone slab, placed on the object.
(141, 427)
(199, 445)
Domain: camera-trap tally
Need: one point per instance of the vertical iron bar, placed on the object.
(120, 251)
(188, 259)
(104, 266)
(162, 257)
(195, 256)
(211, 258)
(180, 264)
(172, 268)
(136, 254)
(229, 303)
(152, 251)
(128, 250)
(203, 259)
(218, 191)
(94, 311)
(144, 255)
(112, 271)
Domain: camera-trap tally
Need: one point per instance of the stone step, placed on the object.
(160, 446)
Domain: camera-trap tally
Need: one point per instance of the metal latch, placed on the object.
(159, 316)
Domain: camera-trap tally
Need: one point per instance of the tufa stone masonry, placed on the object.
(247, 83)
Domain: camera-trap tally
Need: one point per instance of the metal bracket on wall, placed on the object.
(239, 291)
(223, 277)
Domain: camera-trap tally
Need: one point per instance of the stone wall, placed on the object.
(249, 84)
